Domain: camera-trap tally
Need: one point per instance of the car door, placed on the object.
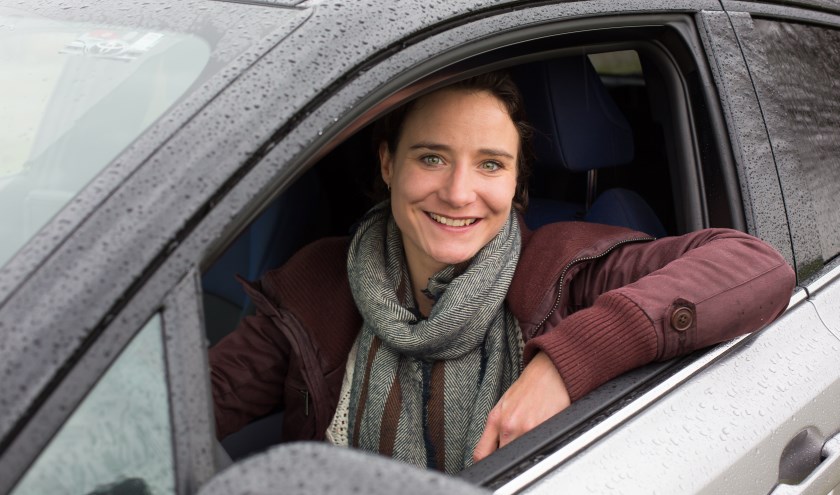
(793, 60)
(683, 415)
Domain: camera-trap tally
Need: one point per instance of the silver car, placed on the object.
(149, 152)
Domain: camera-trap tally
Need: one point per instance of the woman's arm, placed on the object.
(656, 300)
(640, 303)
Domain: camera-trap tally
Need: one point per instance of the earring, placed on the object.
(388, 185)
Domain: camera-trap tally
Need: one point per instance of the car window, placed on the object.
(332, 196)
(73, 95)
(119, 438)
(796, 69)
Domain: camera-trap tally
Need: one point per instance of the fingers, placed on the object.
(502, 428)
(489, 441)
(537, 395)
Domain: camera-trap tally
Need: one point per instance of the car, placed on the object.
(151, 152)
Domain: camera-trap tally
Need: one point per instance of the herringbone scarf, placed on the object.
(422, 388)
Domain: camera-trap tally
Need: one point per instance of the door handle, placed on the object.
(824, 477)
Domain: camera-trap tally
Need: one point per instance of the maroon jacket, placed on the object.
(598, 300)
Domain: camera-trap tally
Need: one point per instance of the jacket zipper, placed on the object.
(305, 394)
(305, 353)
(571, 264)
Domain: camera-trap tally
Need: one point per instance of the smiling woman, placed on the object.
(458, 329)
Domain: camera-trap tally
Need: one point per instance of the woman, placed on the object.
(463, 328)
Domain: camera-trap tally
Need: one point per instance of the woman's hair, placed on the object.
(388, 129)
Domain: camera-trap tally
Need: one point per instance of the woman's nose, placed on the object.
(459, 188)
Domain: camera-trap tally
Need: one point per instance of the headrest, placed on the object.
(578, 125)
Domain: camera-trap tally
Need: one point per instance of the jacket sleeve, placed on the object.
(248, 370)
(656, 300)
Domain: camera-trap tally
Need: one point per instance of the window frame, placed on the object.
(188, 375)
(187, 381)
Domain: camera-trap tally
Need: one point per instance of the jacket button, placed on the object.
(681, 319)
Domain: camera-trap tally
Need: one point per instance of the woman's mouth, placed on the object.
(452, 222)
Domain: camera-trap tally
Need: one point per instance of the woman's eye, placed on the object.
(432, 160)
(491, 166)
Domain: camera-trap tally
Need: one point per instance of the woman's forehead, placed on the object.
(458, 97)
(449, 114)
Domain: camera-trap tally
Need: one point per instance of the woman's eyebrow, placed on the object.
(444, 147)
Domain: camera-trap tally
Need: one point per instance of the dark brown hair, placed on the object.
(389, 128)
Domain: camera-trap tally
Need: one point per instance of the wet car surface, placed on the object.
(173, 137)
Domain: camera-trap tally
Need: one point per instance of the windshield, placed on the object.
(72, 96)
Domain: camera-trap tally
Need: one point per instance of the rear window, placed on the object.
(803, 83)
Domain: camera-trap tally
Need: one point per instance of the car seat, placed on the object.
(579, 128)
(291, 221)
(283, 228)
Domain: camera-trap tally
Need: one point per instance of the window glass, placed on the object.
(72, 96)
(621, 63)
(119, 438)
(803, 78)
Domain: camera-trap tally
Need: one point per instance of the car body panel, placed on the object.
(724, 430)
(134, 241)
(824, 293)
(815, 7)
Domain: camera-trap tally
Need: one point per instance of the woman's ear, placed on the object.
(386, 163)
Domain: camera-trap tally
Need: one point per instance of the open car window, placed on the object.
(654, 161)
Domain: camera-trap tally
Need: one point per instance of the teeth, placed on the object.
(451, 221)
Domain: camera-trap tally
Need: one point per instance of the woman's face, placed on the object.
(452, 176)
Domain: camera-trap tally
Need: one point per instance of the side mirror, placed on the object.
(316, 467)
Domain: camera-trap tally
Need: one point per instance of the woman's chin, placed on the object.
(454, 258)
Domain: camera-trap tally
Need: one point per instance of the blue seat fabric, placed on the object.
(283, 228)
(579, 128)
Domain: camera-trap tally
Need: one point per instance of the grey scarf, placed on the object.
(422, 388)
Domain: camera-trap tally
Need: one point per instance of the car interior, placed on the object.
(602, 153)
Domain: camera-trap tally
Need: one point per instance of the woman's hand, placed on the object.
(537, 395)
